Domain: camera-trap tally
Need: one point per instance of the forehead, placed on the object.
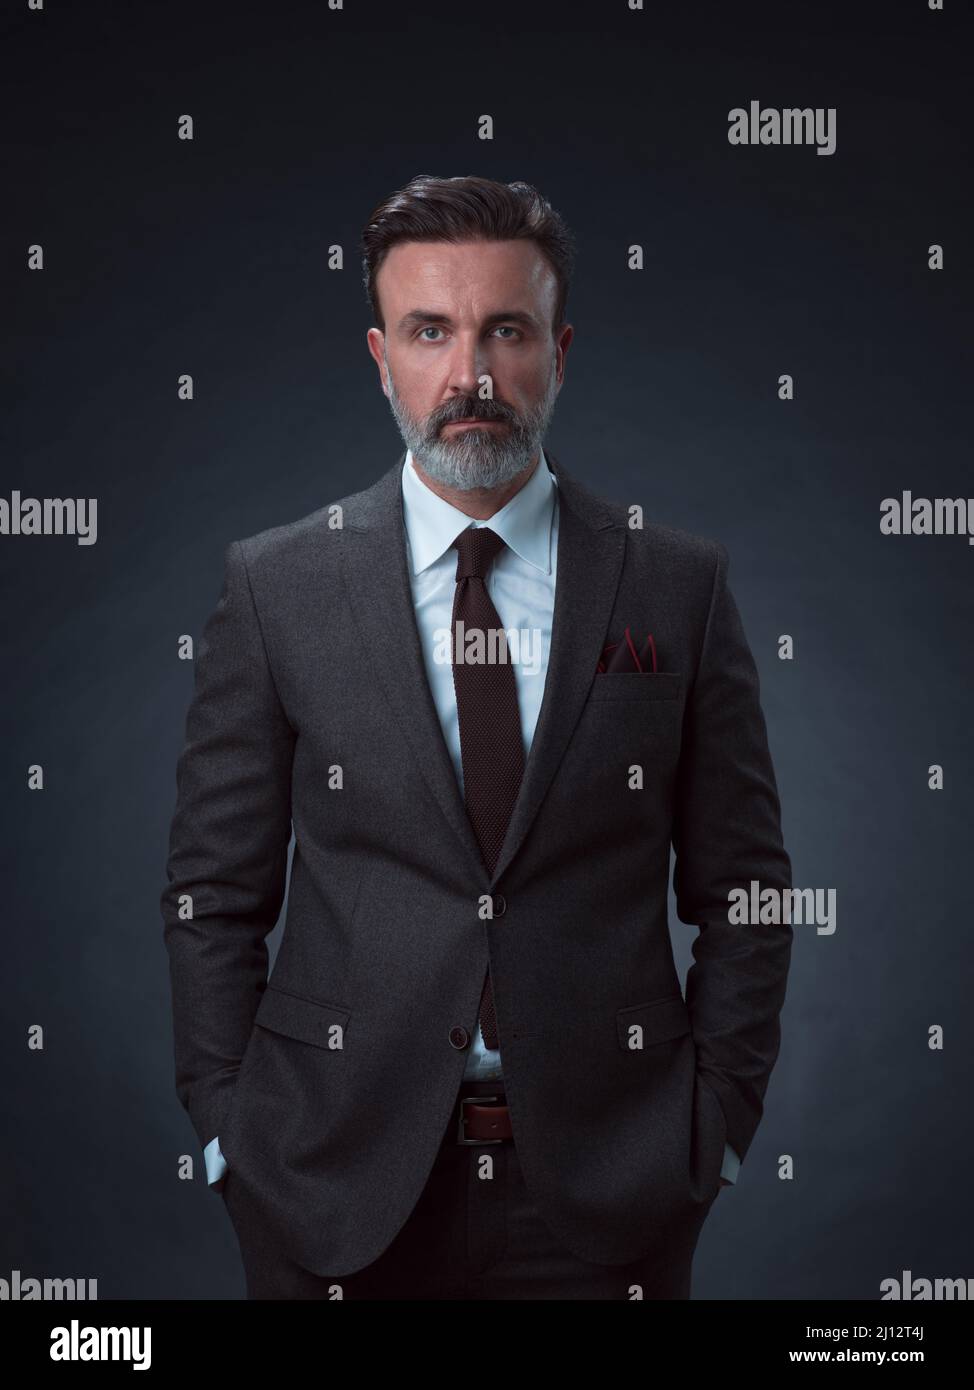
(443, 273)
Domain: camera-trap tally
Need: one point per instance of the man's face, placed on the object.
(455, 314)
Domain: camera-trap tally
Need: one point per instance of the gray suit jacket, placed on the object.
(330, 1084)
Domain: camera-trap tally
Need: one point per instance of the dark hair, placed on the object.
(467, 209)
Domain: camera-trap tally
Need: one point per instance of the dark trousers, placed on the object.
(468, 1237)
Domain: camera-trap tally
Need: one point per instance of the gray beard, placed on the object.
(486, 458)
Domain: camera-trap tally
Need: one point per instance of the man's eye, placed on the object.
(501, 328)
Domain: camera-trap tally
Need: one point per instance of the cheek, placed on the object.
(416, 393)
(522, 388)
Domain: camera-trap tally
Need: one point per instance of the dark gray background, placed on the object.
(164, 257)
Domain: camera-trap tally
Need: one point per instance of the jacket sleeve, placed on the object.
(727, 834)
(228, 848)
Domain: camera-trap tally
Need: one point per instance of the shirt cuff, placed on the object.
(731, 1165)
(216, 1164)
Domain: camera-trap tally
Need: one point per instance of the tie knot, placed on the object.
(476, 547)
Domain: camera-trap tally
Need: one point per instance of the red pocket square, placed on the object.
(622, 656)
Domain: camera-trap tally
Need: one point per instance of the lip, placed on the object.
(468, 424)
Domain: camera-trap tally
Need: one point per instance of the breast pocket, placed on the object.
(625, 751)
(642, 686)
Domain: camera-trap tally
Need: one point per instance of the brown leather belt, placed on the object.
(483, 1119)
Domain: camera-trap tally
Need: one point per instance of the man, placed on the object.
(487, 705)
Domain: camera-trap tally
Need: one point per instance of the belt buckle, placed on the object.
(473, 1100)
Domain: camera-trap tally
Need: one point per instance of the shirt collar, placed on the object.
(524, 523)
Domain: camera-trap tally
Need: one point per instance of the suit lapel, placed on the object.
(591, 546)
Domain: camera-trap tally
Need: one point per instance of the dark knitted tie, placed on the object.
(491, 742)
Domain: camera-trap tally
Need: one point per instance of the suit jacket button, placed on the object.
(459, 1037)
(500, 904)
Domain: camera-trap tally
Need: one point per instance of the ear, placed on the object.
(376, 341)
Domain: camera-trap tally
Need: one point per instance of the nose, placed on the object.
(467, 365)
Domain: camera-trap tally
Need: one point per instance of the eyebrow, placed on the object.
(416, 317)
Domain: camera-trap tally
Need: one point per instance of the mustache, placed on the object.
(471, 410)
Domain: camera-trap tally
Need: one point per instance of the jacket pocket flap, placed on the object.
(659, 1020)
(307, 1020)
